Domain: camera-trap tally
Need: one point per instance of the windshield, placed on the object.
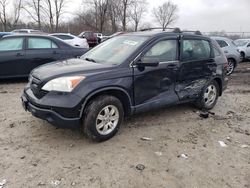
(241, 42)
(115, 50)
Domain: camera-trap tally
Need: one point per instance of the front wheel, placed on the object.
(209, 96)
(103, 118)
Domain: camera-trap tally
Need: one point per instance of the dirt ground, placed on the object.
(184, 152)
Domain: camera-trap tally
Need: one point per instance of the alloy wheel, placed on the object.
(210, 95)
(230, 67)
(107, 120)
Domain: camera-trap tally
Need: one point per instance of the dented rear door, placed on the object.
(196, 68)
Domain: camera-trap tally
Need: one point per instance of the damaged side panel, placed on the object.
(190, 90)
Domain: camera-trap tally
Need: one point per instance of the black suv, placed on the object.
(128, 74)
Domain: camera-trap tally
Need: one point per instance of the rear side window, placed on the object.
(11, 44)
(222, 43)
(195, 49)
(64, 37)
(40, 43)
(162, 51)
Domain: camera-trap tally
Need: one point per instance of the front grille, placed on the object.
(35, 86)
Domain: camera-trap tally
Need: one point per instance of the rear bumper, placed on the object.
(50, 116)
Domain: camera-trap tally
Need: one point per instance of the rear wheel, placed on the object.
(231, 66)
(209, 96)
(103, 118)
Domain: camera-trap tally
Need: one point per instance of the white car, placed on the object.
(244, 47)
(72, 39)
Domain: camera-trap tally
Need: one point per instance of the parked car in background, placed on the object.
(4, 34)
(19, 54)
(244, 47)
(127, 74)
(72, 39)
(99, 37)
(90, 37)
(27, 31)
(231, 51)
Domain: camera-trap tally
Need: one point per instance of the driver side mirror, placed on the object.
(148, 62)
(248, 45)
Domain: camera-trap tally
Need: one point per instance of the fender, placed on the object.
(105, 89)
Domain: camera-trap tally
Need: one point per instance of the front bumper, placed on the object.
(50, 116)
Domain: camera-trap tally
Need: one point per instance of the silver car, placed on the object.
(231, 51)
(244, 47)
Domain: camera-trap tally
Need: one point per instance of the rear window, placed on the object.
(195, 49)
(64, 37)
(40, 43)
(222, 43)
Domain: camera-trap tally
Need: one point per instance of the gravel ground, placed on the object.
(184, 150)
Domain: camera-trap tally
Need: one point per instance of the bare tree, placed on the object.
(124, 12)
(3, 14)
(138, 8)
(35, 10)
(59, 10)
(48, 10)
(9, 19)
(114, 12)
(18, 6)
(99, 9)
(166, 14)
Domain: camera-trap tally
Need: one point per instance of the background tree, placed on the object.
(138, 9)
(3, 13)
(10, 13)
(166, 14)
(34, 9)
(125, 6)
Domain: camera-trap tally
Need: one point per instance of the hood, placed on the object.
(67, 67)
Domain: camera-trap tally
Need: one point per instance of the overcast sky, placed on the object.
(204, 15)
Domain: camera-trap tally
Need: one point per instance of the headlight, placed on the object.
(63, 84)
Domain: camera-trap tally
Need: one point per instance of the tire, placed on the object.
(243, 56)
(103, 118)
(209, 96)
(231, 66)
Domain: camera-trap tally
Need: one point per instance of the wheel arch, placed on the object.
(219, 82)
(117, 92)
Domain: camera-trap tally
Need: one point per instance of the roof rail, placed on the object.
(194, 32)
(175, 29)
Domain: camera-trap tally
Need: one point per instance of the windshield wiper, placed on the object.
(90, 59)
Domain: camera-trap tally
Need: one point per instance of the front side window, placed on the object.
(11, 44)
(40, 43)
(162, 51)
(195, 50)
(222, 43)
(116, 50)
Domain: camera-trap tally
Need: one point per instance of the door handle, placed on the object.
(19, 54)
(173, 66)
(55, 52)
(211, 60)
